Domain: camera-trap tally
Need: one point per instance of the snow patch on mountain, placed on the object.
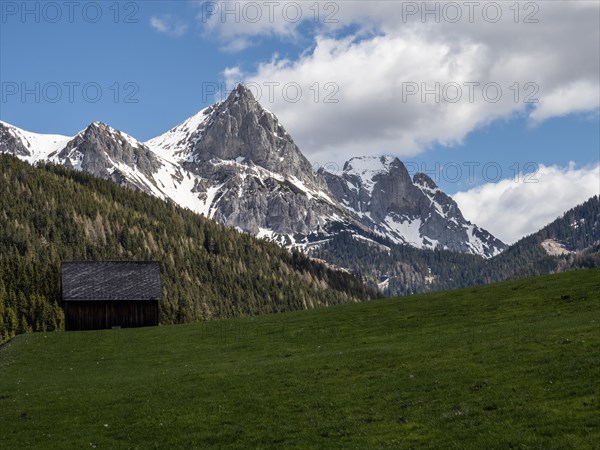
(366, 168)
(235, 163)
(38, 145)
(175, 143)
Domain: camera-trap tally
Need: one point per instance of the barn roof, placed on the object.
(111, 280)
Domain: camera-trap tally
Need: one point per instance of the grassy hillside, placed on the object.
(512, 365)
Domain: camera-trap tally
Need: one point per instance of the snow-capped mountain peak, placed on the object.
(368, 166)
(364, 170)
(178, 141)
(27, 145)
(407, 211)
(423, 181)
(235, 163)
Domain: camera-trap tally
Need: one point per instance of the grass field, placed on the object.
(512, 365)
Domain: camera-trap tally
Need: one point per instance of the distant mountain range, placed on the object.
(571, 241)
(235, 163)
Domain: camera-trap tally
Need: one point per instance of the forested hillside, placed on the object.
(50, 214)
(409, 270)
(578, 228)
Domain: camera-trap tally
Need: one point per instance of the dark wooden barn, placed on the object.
(106, 294)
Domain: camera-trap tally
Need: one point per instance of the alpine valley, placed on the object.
(234, 163)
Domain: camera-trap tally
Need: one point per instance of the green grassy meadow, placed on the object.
(511, 365)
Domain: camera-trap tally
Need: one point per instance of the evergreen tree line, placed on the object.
(578, 228)
(412, 270)
(50, 214)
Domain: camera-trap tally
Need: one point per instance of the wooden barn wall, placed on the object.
(97, 315)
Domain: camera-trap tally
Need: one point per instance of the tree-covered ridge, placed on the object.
(409, 270)
(578, 228)
(51, 214)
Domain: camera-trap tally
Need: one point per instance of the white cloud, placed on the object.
(232, 76)
(168, 25)
(389, 47)
(366, 79)
(234, 21)
(579, 96)
(510, 210)
(236, 45)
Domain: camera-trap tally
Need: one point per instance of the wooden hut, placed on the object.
(106, 294)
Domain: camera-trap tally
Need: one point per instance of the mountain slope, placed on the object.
(29, 146)
(414, 212)
(110, 154)
(253, 172)
(576, 236)
(209, 271)
(234, 162)
(578, 229)
(400, 270)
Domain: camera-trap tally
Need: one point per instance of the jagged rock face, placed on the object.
(394, 193)
(11, 144)
(258, 200)
(416, 212)
(235, 163)
(252, 203)
(264, 185)
(372, 187)
(109, 154)
(240, 129)
(446, 224)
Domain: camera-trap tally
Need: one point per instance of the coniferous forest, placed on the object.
(50, 214)
(409, 270)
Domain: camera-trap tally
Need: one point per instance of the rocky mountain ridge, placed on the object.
(234, 162)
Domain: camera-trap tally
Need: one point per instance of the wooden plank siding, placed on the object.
(105, 294)
(97, 315)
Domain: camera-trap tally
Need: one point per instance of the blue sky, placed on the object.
(161, 55)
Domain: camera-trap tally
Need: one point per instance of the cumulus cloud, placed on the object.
(371, 96)
(511, 209)
(579, 96)
(232, 75)
(234, 21)
(359, 76)
(168, 25)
